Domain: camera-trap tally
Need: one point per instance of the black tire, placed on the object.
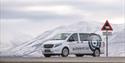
(65, 52)
(96, 53)
(79, 55)
(47, 55)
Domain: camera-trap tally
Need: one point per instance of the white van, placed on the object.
(79, 44)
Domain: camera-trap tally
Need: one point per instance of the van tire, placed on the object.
(47, 55)
(96, 53)
(79, 55)
(65, 52)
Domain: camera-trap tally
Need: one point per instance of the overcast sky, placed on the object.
(36, 16)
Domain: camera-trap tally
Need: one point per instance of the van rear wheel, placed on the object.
(65, 52)
(96, 53)
(79, 55)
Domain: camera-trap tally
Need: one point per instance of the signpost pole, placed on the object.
(106, 43)
(106, 27)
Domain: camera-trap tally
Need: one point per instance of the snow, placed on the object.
(32, 48)
(117, 44)
(11, 39)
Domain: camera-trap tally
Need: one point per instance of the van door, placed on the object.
(85, 49)
(73, 43)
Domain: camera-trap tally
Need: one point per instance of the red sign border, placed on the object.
(109, 26)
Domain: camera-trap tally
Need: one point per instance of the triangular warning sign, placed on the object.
(106, 26)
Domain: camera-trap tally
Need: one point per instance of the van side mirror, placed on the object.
(71, 39)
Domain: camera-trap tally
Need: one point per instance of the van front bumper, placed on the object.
(51, 50)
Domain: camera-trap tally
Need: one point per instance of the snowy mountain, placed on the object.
(12, 39)
(33, 47)
(117, 43)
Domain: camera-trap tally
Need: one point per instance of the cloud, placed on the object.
(40, 12)
(61, 9)
(57, 9)
(48, 13)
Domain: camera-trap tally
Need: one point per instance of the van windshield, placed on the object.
(61, 36)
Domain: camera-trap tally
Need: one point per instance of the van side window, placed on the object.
(95, 38)
(74, 37)
(83, 37)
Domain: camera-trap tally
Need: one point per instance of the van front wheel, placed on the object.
(65, 52)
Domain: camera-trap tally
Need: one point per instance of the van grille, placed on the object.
(48, 45)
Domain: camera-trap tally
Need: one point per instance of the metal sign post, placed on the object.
(106, 27)
(107, 43)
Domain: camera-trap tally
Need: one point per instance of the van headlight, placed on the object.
(56, 45)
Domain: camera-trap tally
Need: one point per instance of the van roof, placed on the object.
(78, 32)
(81, 32)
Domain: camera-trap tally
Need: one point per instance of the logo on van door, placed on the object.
(94, 44)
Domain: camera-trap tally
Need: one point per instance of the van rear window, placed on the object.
(95, 38)
(83, 37)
